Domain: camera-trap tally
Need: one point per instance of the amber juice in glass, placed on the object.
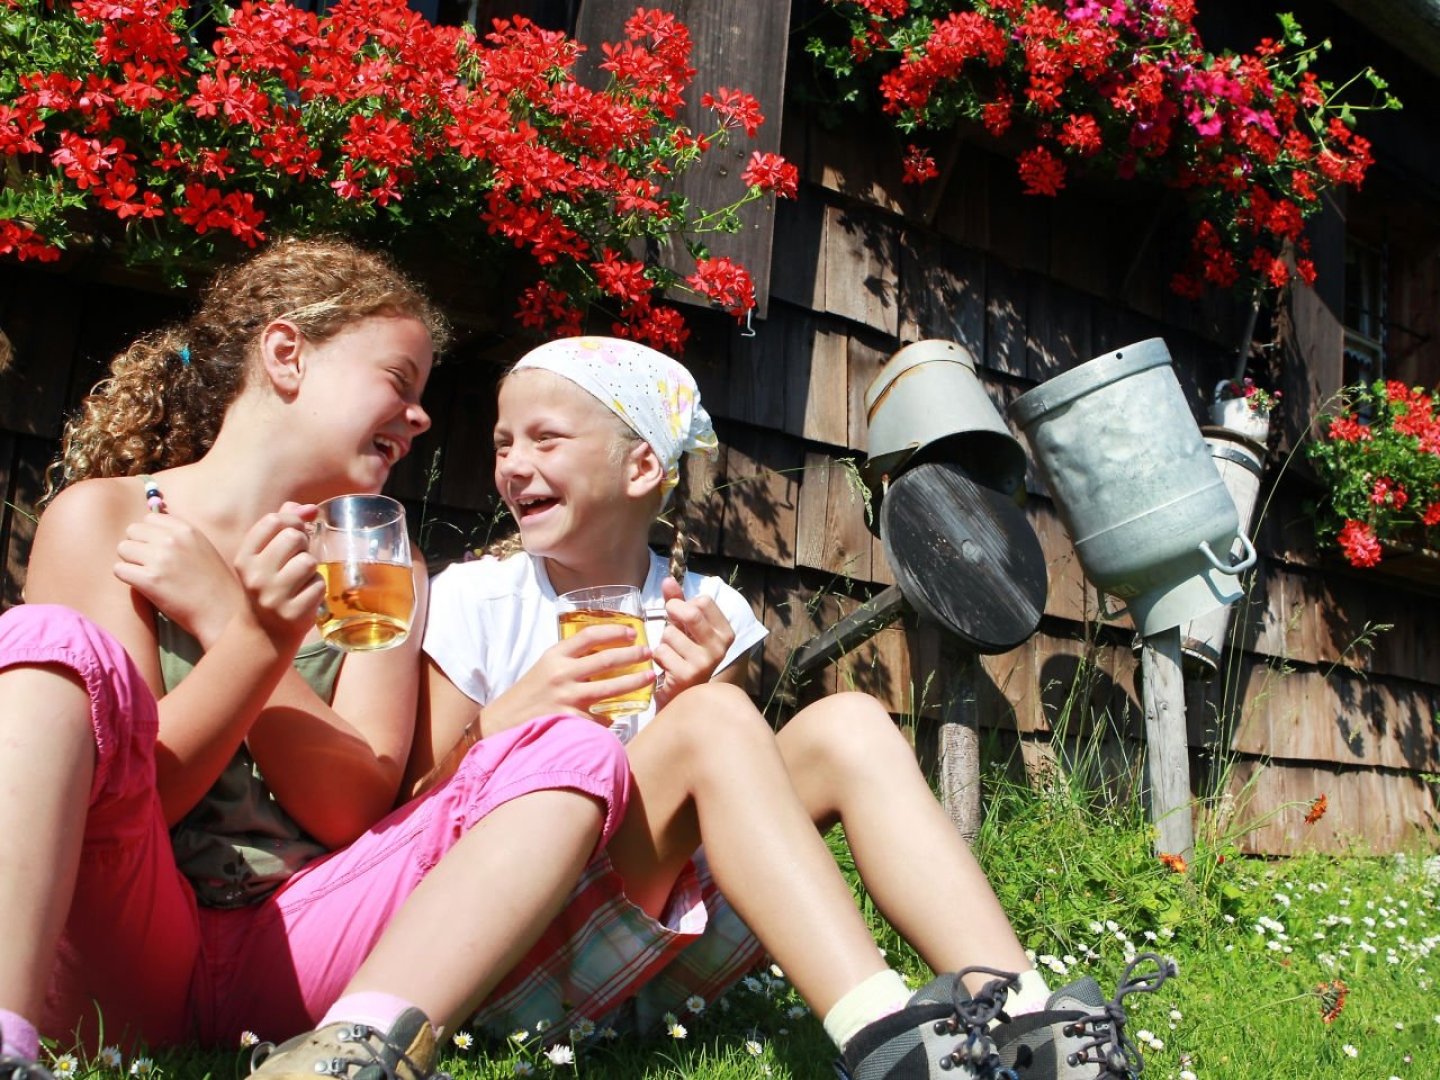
(364, 555)
(609, 604)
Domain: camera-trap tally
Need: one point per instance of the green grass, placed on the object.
(1253, 939)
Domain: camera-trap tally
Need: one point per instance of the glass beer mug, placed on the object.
(363, 550)
(609, 604)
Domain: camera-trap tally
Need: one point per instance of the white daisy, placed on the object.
(463, 1040)
(676, 1030)
(561, 1055)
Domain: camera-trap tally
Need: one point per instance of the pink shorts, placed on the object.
(138, 951)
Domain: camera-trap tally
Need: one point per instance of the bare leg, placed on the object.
(486, 902)
(849, 763)
(708, 769)
(47, 761)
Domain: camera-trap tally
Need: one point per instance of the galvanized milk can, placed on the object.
(1136, 486)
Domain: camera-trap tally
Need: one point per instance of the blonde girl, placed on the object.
(588, 441)
(199, 836)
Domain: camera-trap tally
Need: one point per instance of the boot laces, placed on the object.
(1109, 1045)
(973, 1014)
(359, 1035)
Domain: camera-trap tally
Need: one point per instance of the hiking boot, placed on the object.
(14, 1068)
(940, 1035)
(354, 1051)
(1079, 1029)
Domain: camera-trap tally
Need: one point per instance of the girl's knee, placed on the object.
(849, 728)
(717, 716)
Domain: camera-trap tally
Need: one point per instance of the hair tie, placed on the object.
(184, 353)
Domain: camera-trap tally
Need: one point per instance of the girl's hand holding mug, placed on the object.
(573, 676)
(280, 575)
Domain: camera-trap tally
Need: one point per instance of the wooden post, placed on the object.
(959, 740)
(1167, 751)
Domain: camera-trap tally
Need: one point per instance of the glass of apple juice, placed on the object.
(363, 550)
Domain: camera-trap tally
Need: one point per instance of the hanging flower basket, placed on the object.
(1244, 408)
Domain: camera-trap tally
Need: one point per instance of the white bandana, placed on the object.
(652, 393)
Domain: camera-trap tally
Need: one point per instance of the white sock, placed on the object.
(873, 998)
(371, 1007)
(18, 1037)
(1030, 996)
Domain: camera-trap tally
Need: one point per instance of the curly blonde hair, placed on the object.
(165, 396)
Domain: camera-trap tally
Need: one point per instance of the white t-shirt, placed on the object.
(489, 621)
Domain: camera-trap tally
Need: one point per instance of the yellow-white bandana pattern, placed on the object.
(655, 395)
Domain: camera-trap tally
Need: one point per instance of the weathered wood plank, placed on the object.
(1057, 329)
(860, 624)
(704, 506)
(798, 276)
(864, 359)
(793, 616)
(862, 162)
(1316, 343)
(759, 376)
(861, 268)
(1023, 241)
(26, 485)
(760, 492)
(1006, 299)
(1167, 753)
(831, 533)
(824, 390)
(887, 676)
(942, 292)
(1069, 594)
(1331, 715)
(1384, 811)
(961, 205)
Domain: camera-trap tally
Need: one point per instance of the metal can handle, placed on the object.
(1245, 563)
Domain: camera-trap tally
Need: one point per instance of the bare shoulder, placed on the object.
(110, 499)
(78, 531)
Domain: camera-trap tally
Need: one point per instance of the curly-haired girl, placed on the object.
(199, 836)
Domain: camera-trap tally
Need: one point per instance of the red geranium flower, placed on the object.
(1358, 541)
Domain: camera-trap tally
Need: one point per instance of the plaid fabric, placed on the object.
(605, 960)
